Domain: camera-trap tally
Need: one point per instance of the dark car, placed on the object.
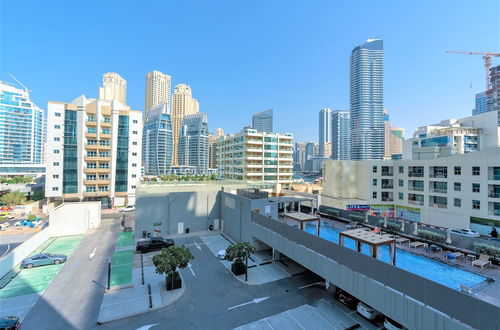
(345, 298)
(9, 323)
(153, 243)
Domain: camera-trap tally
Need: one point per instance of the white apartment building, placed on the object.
(253, 155)
(454, 137)
(93, 151)
(449, 191)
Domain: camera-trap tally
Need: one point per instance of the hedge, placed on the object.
(431, 236)
(484, 248)
(391, 225)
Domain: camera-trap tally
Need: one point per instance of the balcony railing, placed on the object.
(415, 202)
(416, 188)
(439, 190)
(387, 199)
(415, 174)
(387, 186)
(438, 205)
(438, 175)
(494, 194)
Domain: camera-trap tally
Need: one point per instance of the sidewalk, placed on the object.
(132, 298)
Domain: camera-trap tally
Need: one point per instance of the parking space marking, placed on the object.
(269, 323)
(8, 248)
(293, 318)
(308, 285)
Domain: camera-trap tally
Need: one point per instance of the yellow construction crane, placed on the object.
(487, 61)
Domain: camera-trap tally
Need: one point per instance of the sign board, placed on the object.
(157, 224)
(358, 207)
(267, 210)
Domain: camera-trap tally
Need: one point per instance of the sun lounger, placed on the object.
(402, 240)
(482, 261)
(418, 244)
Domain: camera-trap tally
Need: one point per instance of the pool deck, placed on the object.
(485, 291)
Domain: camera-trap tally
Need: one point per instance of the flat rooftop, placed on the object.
(367, 237)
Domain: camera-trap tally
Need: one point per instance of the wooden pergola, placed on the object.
(374, 240)
(302, 218)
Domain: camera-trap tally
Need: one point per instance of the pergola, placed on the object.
(374, 240)
(303, 218)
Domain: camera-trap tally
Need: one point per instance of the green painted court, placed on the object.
(125, 239)
(121, 267)
(38, 279)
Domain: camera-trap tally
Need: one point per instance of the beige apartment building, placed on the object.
(183, 103)
(158, 86)
(114, 87)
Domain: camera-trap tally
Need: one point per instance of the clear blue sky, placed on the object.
(242, 57)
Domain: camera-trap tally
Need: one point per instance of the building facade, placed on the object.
(341, 135)
(193, 142)
(158, 87)
(490, 99)
(183, 103)
(254, 155)
(450, 191)
(367, 101)
(157, 141)
(95, 151)
(299, 156)
(325, 131)
(393, 138)
(22, 130)
(263, 121)
(114, 87)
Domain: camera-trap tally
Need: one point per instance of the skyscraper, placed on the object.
(158, 86)
(193, 142)
(341, 135)
(490, 99)
(299, 156)
(183, 103)
(367, 101)
(393, 139)
(157, 141)
(114, 87)
(325, 130)
(263, 121)
(21, 128)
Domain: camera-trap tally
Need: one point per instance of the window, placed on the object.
(374, 194)
(476, 205)
(57, 126)
(457, 186)
(91, 165)
(55, 188)
(56, 151)
(103, 188)
(107, 119)
(457, 202)
(91, 130)
(55, 163)
(134, 176)
(55, 176)
(91, 142)
(457, 170)
(476, 170)
(401, 169)
(105, 131)
(134, 154)
(401, 183)
(56, 139)
(104, 142)
(374, 182)
(103, 165)
(134, 165)
(134, 132)
(133, 187)
(90, 177)
(103, 177)
(374, 169)
(57, 114)
(134, 143)
(91, 154)
(476, 187)
(135, 121)
(90, 118)
(401, 195)
(104, 154)
(90, 189)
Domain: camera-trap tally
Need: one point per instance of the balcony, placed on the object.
(285, 151)
(415, 202)
(438, 172)
(105, 136)
(387, 186)
(96, 170)
(439, 190)
(105, 124)
(90, 123)
(94, 182)
(96, 194)
(438, 205)
(387, 171)
(494, 173)
(92, 146)
(96, 158)
(90, 135)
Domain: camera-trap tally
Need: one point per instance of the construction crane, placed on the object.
(487, 61)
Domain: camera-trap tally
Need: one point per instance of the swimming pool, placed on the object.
(433, 270)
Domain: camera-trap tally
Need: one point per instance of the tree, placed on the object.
(170, 259)
(13, 198)
(237, 253)
(37, 195)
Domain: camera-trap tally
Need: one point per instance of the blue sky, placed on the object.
(242, 57)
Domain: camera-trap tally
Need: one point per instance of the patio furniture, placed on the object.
(471, 257)
(482, 261)
(435, 248)
(402, 240)
(417, 245)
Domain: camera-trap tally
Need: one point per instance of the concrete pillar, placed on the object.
(366, 217)
(276, 255)
(402, 226)
(299, 207)
(448, 236)
(385, 221)
(358, 246)
(415, 231)
(327, 284)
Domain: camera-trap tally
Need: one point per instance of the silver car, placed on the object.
(43, 259)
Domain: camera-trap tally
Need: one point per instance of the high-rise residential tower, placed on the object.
(183, 103)
(325, 131)
(393, 139)
(114, 87)
(341, 135)
(21, 131)
(93, 151)
(490, 99)
(193, 142)
(157, 141)
(158, 86)
(263, 121)
(367, 101)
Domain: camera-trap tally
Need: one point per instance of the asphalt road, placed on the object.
(9, 242)
(212, 290)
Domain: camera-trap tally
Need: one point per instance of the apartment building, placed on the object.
(157, 141)
(94, 151)
(449, 191)
(158, 89)
(193, 142)
(253, 155)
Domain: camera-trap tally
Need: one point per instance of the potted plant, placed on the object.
(169, 261)
(237, 254)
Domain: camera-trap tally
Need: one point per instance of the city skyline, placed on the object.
(437, 86)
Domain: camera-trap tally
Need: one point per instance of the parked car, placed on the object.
(9, 323)
(5, 209)
(27, 223)
(9, 217)
(367, 312)
(222, 254)
(43, 259)
(45, 224)
(153, 243)
(345, 298)
(469, 232)
(4, 225)
(390, 324)
(129, 208)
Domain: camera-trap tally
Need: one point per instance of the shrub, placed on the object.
(391, 225)
(13, 198)
(31, 217)
(2, 219)
(484, 248)
(431, 236)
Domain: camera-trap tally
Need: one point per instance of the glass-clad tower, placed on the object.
(157, 141)
(193, 142)
(367, 101)
(21, 127)
(324, 129)
(341, 135)
(263, 121)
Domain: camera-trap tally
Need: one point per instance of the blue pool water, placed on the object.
(433, 270)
